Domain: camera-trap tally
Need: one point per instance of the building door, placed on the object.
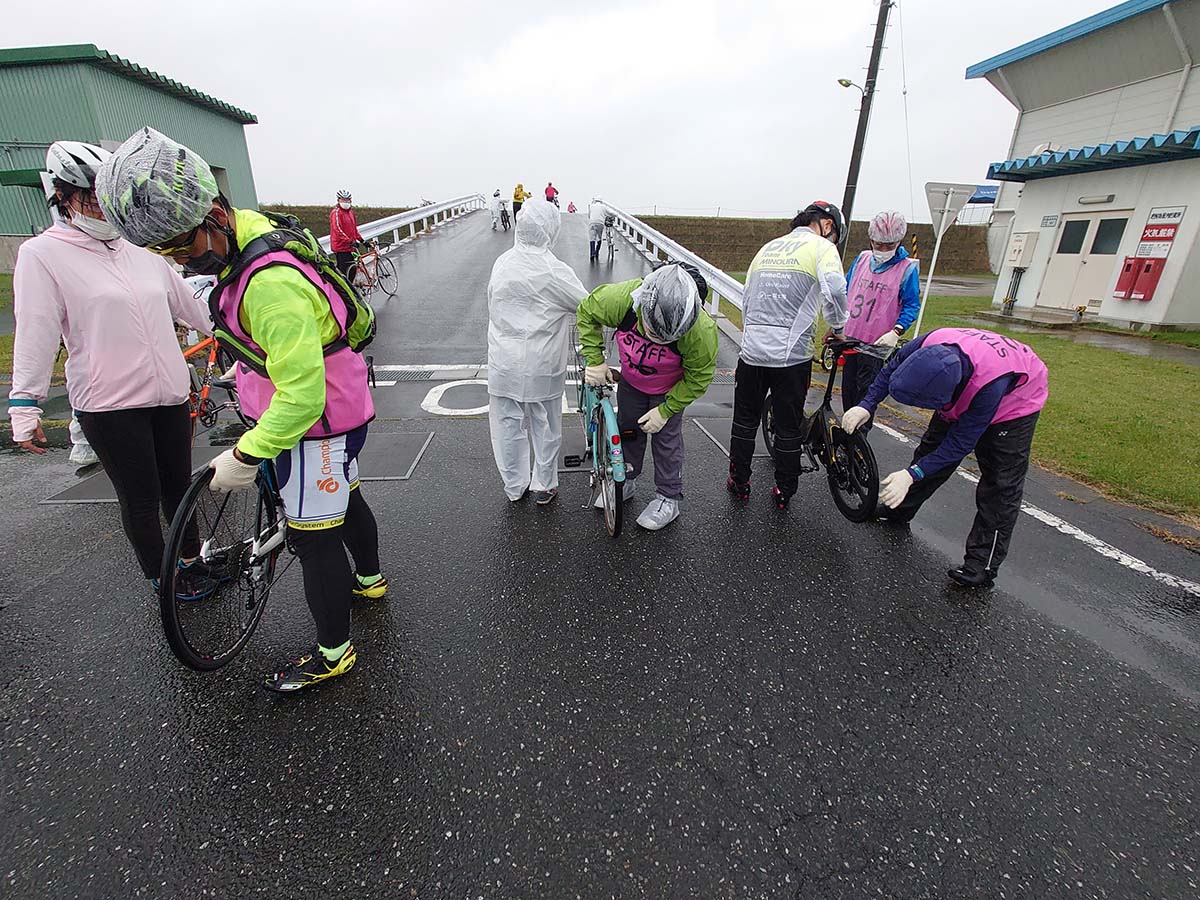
(1083, 260)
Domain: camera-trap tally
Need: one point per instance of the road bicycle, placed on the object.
(610, 235)
(827, 356)
(204, 378)
(848, 459)
(373, 271)
(602, 443)
(240, 536)
(504, 220)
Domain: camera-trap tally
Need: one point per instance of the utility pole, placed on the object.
(864, 113)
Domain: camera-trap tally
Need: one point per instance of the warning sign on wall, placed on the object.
(1159, 233)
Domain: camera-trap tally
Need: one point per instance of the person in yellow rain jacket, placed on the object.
(520, 195)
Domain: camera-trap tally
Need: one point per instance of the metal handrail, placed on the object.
(640, 234)
(447, 209)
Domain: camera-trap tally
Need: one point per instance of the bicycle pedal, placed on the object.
(572, 462)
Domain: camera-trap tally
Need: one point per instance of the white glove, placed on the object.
(598, 375)
(853, 418)
(888, 339)
(894, 488)
(230, 473)
(653, 421)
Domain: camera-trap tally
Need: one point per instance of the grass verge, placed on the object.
(6, 340)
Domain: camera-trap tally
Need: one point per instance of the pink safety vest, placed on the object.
(873, 298)
(995, 356)
(651, 368)
(348, 401)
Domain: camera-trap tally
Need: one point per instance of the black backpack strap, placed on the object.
(629, 323)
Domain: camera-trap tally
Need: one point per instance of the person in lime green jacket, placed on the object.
(668, 350)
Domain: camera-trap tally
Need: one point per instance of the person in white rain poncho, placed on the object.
(532, 298)
(596, 213)
(494, 209)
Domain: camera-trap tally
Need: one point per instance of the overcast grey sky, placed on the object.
(683, 104)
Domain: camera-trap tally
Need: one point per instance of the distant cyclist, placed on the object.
(667, 345)
(596, 215)
(551, 193)
(494, 205)
(883, 298)
(313, 409)
(114, 306)
(520, 195)
(343, 234)
(791, 279)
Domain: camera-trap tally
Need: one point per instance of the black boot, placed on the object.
(972, 578)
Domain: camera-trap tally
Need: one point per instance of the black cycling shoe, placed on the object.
(310, 669)
(739, 489)
(972, 579)
(194, 581)
(781, 499)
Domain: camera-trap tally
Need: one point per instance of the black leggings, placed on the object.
(327, 576)
(788, 386)
(345, 263)
(147, 455)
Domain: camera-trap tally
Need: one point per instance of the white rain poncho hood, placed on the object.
(538, 226)
(532, 298)
(668, 302)
(153, 188)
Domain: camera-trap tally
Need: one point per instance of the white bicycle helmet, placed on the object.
(344, 195)
(75, 162)
(887, 227)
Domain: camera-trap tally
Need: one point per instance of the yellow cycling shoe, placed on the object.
(311, 668)
(373, 591)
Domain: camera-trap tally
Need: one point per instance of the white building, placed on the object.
(1100, 205)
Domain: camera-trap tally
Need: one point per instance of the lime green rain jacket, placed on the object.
(292, 322)
(607, 306)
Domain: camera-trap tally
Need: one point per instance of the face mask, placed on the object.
(343, 204)
(94, 228)
(209, 262)
(881, 256)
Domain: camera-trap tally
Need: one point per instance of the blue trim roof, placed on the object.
(1138, 151)
(1118, 13)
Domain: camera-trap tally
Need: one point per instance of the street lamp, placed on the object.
(846, 82)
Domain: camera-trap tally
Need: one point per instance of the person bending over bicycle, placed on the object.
(884, 297)
(115, 307)
(311, 407)
(986, 391)
(344, 237)
(668, 349)
(789, 278)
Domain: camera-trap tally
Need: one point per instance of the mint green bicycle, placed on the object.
(602, 442)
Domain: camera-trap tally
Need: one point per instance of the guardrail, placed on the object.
(438, 212)
(654, 244)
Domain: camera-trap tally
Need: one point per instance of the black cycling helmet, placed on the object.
(701, 284)
(827, 210)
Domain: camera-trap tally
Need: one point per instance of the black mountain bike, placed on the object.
(848, 460)
(240, 536)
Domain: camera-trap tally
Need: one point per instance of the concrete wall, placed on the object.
(730, 244)
(1136, 190)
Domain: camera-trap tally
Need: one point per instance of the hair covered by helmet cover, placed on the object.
(153, 188)
(668, 302)
(887, 227)
(538, 225)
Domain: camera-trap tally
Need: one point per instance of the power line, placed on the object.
(912, 204)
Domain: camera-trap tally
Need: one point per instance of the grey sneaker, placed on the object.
(545, 498)
(659, 513)
(627, 494)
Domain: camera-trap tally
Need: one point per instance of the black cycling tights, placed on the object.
(327, 576)
(147, 455)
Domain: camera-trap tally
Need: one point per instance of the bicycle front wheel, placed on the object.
(853, 476)
(388, 279)
(612, 492)
(237, 539)
(612, 247)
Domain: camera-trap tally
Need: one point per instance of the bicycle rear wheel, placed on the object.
(768, 426)
(854, 476)
(612, 247)
(240, 537)
(612, 492)
(388, 280)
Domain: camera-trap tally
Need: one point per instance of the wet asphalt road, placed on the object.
(744, 705)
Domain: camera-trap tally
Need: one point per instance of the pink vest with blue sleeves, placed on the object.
(650, 367)
(995, 356)
(873, 298)
(348, 401)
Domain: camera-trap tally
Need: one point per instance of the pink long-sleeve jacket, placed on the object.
(115, 306)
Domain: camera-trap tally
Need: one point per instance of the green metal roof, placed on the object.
(90, 53)
(1138, 151)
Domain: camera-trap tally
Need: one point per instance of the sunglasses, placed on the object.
(177, 247)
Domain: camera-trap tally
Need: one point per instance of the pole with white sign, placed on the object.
(946, 200)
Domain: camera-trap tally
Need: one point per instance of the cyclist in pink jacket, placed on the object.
(115, 306)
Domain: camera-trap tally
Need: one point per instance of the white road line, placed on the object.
(1089, 540)
(432, 401)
